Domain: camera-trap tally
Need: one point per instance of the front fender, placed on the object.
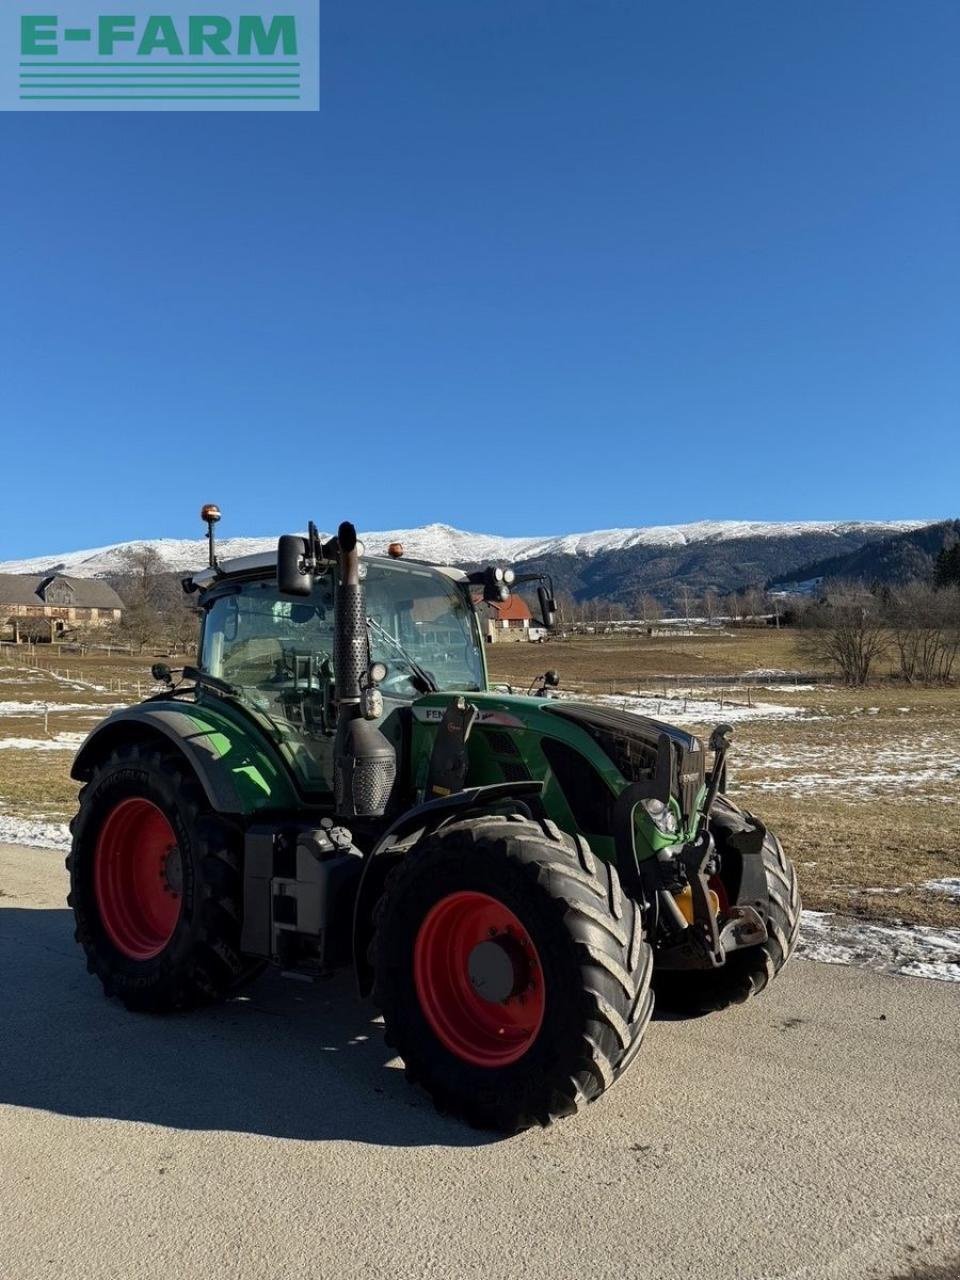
(238, 770)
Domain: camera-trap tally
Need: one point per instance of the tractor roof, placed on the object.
(262, 564)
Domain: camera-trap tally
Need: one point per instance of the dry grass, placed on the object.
(584, 660)
(863, 786)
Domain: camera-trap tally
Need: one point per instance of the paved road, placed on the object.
(810, 1135)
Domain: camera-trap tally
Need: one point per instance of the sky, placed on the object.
(535, 266)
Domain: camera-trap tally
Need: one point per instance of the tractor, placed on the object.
(513, 879)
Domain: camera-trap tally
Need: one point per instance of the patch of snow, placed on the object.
(859, 770)
(38, 708)
(916, 951)
(443, 544)
(34, 832)
(698, 710)
(58, 742)
(949, 885)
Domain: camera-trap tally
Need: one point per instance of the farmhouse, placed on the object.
(50, 605)
(510, 619)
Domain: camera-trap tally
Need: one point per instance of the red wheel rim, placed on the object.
(468, 943)
(137, 876)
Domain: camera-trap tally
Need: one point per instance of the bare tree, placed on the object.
(142, 567)
(646, 607)
(140, 623)
(925, 626)
(155, 608)
(851, 636)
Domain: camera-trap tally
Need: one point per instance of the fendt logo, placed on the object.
(180, 59)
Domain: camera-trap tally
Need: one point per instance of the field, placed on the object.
(863, 785)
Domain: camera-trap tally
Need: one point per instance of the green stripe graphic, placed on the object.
(143, 97)
(252, 77)
(143, 64)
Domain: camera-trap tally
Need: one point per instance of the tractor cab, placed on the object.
(277, 650)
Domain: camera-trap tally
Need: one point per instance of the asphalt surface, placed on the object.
(812, 1134)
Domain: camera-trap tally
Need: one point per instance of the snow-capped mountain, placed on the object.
(442, 544)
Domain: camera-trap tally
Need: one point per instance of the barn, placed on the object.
(51, 605)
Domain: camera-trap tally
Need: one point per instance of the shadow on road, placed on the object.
(287, 1059)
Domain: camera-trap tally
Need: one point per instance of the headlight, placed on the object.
(661, 815)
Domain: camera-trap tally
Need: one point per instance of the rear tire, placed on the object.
(748, 972)
(179, 948)
(576, 938)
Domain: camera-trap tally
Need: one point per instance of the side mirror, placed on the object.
(548, 608)
(161, 673)
(292, 578)
(551, 678)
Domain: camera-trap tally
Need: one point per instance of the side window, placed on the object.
(257, 641)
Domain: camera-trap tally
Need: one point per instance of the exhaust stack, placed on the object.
(365, 764)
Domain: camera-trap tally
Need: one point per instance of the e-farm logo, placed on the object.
(71, 56)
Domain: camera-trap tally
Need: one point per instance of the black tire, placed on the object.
(596, 968)
(746, 973)
(201, 962)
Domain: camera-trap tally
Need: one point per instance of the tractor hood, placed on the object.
(631, 743)
(614, 721)
(586, 753)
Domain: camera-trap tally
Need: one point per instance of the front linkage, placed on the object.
(689, 873)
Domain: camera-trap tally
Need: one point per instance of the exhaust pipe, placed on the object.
(364, 762)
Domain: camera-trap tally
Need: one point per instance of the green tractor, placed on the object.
(336, 783)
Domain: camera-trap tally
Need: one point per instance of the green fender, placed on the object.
(238, 767)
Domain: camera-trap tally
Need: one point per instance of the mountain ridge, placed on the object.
(889, 561)
(444, 544)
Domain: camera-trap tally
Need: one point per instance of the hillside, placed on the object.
(612, 564)
(895, 559)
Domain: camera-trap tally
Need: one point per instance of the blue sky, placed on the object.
(534, 267)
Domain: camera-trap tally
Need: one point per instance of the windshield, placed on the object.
(422, 614)
(418, 618)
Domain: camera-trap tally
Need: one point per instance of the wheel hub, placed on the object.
(138, 878)
(478, 978)
(172, 871)
(498, 969)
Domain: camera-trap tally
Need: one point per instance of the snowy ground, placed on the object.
(915, 951)
(38, 708)
(927, 765)
(34, 832)
(56, 742)
(695, 708)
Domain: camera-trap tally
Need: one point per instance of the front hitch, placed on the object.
(702, 943)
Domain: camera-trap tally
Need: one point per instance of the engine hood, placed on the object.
(623, 722)
(631, 743)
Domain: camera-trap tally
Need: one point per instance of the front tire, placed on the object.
(749, 971)
(511, 970)
(155, 884)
